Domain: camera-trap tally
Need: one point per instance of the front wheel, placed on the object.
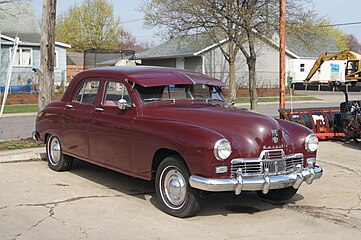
(57, 161)
(175, 195)
(279, 194)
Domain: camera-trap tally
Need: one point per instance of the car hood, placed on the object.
(249, 132)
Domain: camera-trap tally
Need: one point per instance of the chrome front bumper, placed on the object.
(263, 182)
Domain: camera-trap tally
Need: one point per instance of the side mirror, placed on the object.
(122, 104)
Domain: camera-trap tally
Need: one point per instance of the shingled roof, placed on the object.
(19, 17)
(192, 45)
(180, 46)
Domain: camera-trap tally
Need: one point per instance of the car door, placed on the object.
(110, 128)
(77, 117)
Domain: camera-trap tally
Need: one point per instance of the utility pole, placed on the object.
(282, 104)
(47, 54)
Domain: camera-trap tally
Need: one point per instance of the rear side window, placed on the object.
(87, 93)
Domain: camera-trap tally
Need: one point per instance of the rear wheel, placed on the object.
(175, 195)
(279, 194)
(57, 161)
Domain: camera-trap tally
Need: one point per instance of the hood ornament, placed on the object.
(275, 136)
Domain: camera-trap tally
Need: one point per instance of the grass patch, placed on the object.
(19, 144)
(23, 108)
(275, 99)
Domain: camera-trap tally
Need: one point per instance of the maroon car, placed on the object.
(174, 126)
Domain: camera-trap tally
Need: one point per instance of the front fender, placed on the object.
(296, 134)
(194, 143)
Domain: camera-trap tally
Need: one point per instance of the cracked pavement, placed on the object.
(90, 202)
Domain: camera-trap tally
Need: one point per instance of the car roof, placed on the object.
(148, 76)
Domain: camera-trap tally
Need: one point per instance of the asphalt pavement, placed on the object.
(90, 202)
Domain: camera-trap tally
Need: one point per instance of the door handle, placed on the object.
(69, 106)
(99, 109)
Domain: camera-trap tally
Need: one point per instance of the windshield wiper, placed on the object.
(157, 99)
(152, 99)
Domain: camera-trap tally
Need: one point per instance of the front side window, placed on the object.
(114, 92)
(23, 57)
(179, 92)
(87, 93)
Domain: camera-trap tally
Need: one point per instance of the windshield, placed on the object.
(179, 92)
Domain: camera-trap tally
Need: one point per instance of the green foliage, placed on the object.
(90, 25)
(24, 108)
(19, 144)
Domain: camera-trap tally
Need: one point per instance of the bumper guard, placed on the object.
(263, 182)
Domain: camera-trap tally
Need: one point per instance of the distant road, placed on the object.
(17, 126)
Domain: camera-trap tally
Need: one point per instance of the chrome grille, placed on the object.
(274, 160)
(293, 160)
(274, 166)
(272, 154)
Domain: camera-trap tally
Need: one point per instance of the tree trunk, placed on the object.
(251, 62)
(232, 71)
(47, 54)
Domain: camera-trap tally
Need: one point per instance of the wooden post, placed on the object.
(282, 103)
(47, 54)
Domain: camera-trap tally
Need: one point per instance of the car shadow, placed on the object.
(114, 180)
(223, 203)
(246, 203)
(352, 144)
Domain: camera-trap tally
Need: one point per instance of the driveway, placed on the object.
(91, 202)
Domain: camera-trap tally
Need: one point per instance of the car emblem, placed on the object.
(274, 136)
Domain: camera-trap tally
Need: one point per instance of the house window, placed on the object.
(23, 57)
(302, 67)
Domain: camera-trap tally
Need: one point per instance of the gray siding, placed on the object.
(21, 74)
(267, 66)
(194, 64)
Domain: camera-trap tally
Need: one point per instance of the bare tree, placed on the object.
(353, 44)
(126, 40)
(240, 22)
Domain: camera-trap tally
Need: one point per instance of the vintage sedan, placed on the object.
(174, 126)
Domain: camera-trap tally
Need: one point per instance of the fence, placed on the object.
(72, 70)
(105, 58)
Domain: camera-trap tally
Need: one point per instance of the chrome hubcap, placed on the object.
(54, 151)
(173, 187)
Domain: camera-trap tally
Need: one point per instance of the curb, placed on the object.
(24, 156)
(19, 114)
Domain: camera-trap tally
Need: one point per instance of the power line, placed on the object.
(133, 20)
(341, 24)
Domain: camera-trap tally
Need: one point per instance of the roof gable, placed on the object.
(193, 45)
(180, 46)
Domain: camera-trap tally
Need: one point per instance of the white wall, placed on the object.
(323, 75)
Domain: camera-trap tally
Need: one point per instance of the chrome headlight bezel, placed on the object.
(222, 149)
(311, 143)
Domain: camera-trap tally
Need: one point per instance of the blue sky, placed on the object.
(337, 11)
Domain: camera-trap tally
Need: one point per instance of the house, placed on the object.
(202, 54)
(19, 19)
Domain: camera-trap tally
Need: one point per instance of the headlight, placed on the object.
(311, 143)
(222, 149)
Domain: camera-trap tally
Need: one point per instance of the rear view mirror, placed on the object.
(122, 104)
